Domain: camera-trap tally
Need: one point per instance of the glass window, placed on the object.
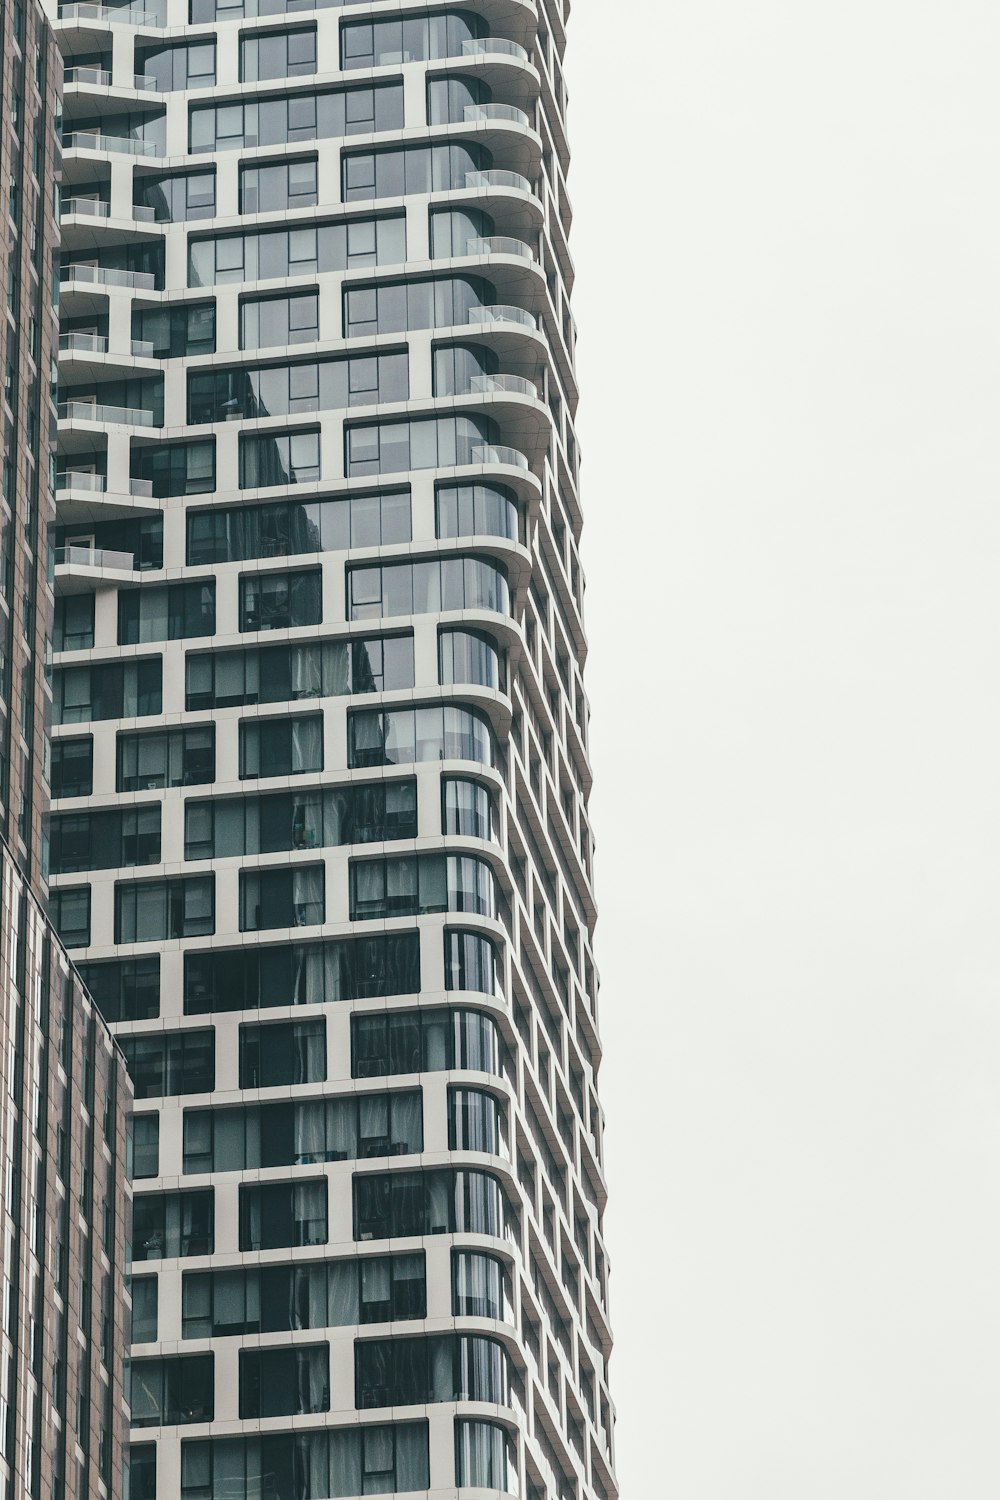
(72, 767)
(284, 1382)
(170, 611)
(279, 320)
(423, 1041)
(162, 758)
(442, 1367)
(281, 747)
(278, 54)
(284, 897)
(171, 1224)
(170, 1065)
(404, 736)
(270, 187)
(145, 1136)
(339, 1461)
(484, 1456)
(142, 1471)
(439, 1201)
(470, 963)
(301, 974)
(287, 528)
(144, 1309)
(74, 622)
(281, 601)
(125, 989)
(152, 910)
(283, 1053)
(172, 1389)
(70, 908)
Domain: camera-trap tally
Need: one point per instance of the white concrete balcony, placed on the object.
(84, 570)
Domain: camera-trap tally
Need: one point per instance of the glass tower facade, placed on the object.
(320, 844)
(64, 1099)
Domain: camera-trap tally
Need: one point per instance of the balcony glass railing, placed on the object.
(96, 140)
(503, 313)
(495, 385)
(497, 177)
(493, 46)
(76, 479)
(498, 453)
(108, 276)
(143, 348)
(95, 557)
(499, 244)
(99, 76)
(92, 411)
(84, 343)
(481, 113)
(91, 208)
(80, 10)
(143, 215)
(140, 489)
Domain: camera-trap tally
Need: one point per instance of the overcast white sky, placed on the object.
(788, 242)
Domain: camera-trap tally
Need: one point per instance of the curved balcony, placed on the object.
(474, 114)
(496, 385)
(494, 46)
(497, 177)
(503, 313)
(499, 244)
(498, 453)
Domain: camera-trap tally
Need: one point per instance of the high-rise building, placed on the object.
(65, 1092)
(321, 845)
